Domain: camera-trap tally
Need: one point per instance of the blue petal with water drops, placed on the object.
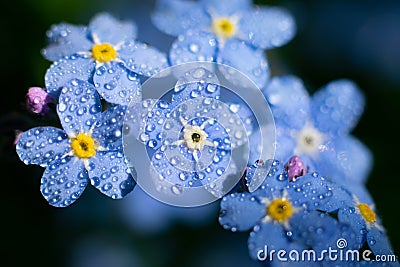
(64, 181)
(110, 174)
(193, 46)
(108, 129)
(341, 198)
(245, 113)
(154, 123)
(349, 159)
(348, 215)
(270, 174)
(311, 191)
(314, 229)
(251, 62)
(142, 59)
(271, 235)
(168, 169)
(226, 7)
(240, 212)
(379, 243)
(116, 84)
(176, 164)
(65, 40)
(42, 145)
(174, 17)
(78, 107)
(289, 101)
(65, 69)
(267, 28)
(198, 82)
(110, 30)
(337, 106)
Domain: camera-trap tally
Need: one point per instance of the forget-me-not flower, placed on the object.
(191, 136)
(317, 128)
(227, 32)
(88, 148)
(104, 53)
(282, 214)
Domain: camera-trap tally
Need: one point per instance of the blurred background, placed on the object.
(335, 39)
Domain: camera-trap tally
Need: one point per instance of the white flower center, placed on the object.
(309, 140)
(194, 137)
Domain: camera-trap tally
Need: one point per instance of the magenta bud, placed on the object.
(295, 168)
(18, 134)
(37, 100)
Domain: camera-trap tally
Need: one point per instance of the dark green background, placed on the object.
(325, 48)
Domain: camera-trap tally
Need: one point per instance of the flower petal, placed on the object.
(65, 40)
(289, 101)
(356, 222)
(110, 30)
(270, 235)
(251, 62)
(65, 69)
(310, 191)
(42, 145)
(269, 174)
(117, 85)
(227, 7)
(198, 82)
(379, 242)
(108, 129)
(110, 174)
(78, 106)
(166, 169)
(267, 27)
(240, 212)
(348, 159)
(193, 46)
(174, 17)
(142, 59)
(64, 181)
(313, 229)
(337, 107)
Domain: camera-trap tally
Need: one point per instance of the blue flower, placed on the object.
(361, 216)
(283, 214)
(105, 53)
(227, 32)
(190, 138)
(318, 128)
(89, 148)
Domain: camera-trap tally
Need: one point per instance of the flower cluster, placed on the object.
(207, 115)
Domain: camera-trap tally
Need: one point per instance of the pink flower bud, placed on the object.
(295, 168)
(37, 100)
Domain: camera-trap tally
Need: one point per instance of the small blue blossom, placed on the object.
(105, 53)
(88, 148)
(283, 214)
(317, 128)
(227, 32)
(190, 138)
(366, 224)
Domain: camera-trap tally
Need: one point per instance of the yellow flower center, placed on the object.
(103, 52)
(83, 146)
(223, 28)
(366, 211)
(280, 210)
